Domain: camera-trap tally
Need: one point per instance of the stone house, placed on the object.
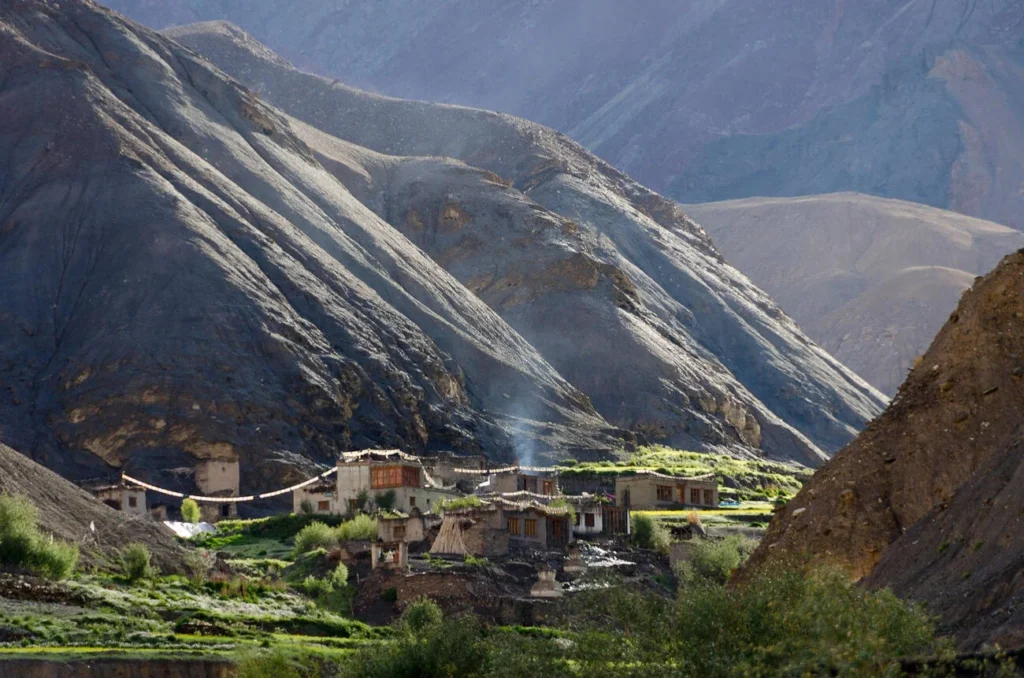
(509, 481)
(589, 518)
(401, 528)
(649, 490)
(377, 473)
(320, 495)
(123, 497)
(217, 478)
(491, 529)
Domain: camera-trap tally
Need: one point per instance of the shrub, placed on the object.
(385, 501)
(781, 623)
(649, 534)
(22, 545)
(315, 587)
(362, 499)
(306, 506)
(313, 536)
(421, 614)
(340, 575)
(135, 562)
(715, 560)
(360, 527)
(459, 503)
(190, 512)
(273, 664)
(455, 647)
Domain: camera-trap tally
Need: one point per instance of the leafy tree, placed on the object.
(190, 512)
(385, 501)
(135, 561)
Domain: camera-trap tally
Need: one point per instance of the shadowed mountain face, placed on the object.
(195, 274)
(706, 100)
(613, 284)
(927, 500)
(870, 279)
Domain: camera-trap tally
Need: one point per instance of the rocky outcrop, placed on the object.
(870, 279)
(925, 500)
(589, 266)
(69, 513)
(706, 100)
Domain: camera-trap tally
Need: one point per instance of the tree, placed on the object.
(190, 512)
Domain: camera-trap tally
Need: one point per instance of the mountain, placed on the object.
(679, 331)
(70, 513)
(870, 279)
(704, 101)
(926, 500)
(194, 274)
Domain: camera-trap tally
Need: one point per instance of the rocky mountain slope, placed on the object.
(542, 221)
(870, 279)
(191, 279)
(66, 512)
(704, 100)
(927, 499)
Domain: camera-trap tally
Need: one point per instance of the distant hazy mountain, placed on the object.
(706, 100)
(192, 273)
(870, 279)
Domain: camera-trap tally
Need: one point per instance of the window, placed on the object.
(709, 497)
(530, 484)
(589, 520)
(577, 520)
(556, 528)
(412, 501)
(694, 496)
(549, 488)
(513, 525)
(323, 506)
(531, 527)
(352, 505)
(225, 510)
(664, 493)
(382, 477)
(133, 502)
(399, 532)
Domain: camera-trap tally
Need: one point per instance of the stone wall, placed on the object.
(117, 668)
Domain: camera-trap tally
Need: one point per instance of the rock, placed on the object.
(940, 489)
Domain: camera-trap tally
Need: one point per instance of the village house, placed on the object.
(649, 490)
(217, 478)
(589, 518)
(376, 474)
(122, 496)
(511, 480)
(452, 469)
(316, 498)
(491, 529)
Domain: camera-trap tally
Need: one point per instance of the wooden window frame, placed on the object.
(709, 497)
(512, 524)
(133, 502)
(663, 492)
(694, 495)
(530, 527)
(588, 520)
(323, 505)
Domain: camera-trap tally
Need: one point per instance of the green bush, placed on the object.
(22, 545)
(420, 615)
(781, 623)
(306, 507)
(459, 503)
(385, 501)
(360, 527)
(455, 647)
(135, 562)
(647, 533)
(715, 559)
(315, 587)
(314, 536)
(273, 664)
(340, 575)
(190, 512)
